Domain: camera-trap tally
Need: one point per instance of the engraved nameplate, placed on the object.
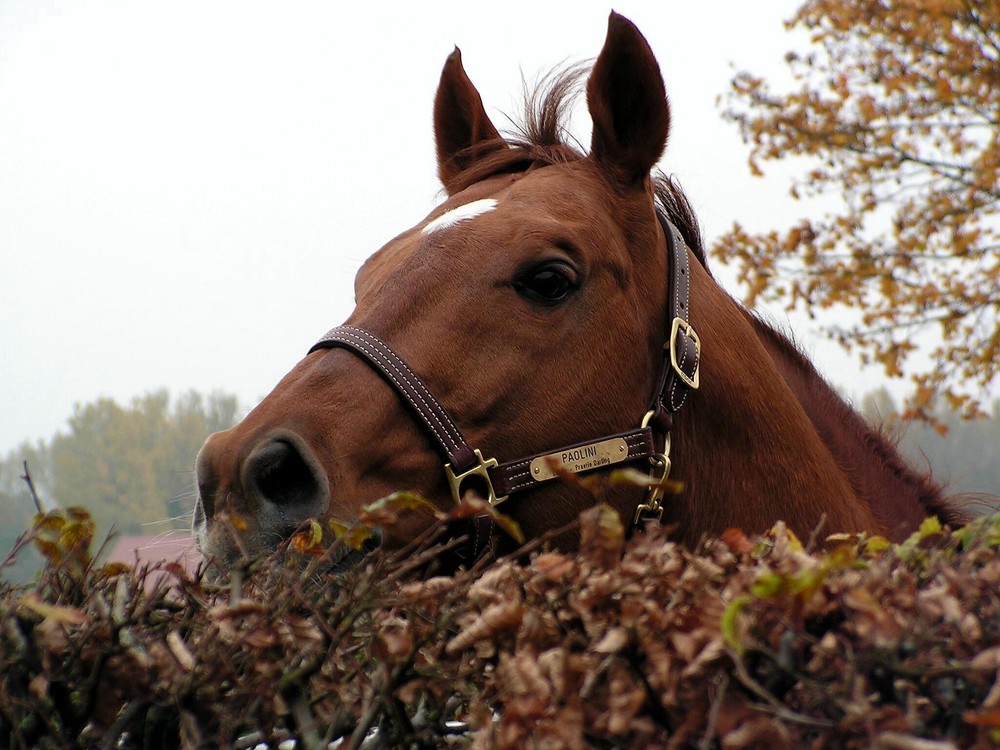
(576, 460)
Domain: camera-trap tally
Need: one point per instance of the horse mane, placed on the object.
(541, 138)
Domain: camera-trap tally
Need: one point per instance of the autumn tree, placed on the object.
(895, 111)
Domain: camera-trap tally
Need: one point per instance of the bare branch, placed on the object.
(31, 488)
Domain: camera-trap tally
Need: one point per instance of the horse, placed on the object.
(555, 315)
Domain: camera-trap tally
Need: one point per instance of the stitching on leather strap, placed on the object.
(406, 383)
(430, 403)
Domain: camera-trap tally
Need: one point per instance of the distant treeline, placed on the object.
(132, 466)
(964, 457)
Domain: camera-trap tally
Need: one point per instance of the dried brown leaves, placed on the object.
(628, 643)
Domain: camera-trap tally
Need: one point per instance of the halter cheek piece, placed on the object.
(679, 374)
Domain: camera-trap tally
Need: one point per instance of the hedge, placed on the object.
(630, 642)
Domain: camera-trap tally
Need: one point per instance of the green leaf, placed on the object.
(876, 546)
(841, 557)
(768, 585)
(353, 535)
(930, 527)
(729, 623)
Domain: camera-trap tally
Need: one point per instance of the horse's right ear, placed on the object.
(462, 129)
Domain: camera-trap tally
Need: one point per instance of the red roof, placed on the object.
(172, 546)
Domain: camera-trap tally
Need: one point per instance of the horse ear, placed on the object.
(462, 128)
(628, 104)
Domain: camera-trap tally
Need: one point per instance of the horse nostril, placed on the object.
(279, 473)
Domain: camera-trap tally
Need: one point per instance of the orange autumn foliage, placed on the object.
(896, 109)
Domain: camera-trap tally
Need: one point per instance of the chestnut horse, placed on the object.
(554, 298)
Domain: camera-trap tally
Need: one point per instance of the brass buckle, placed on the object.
(480, 470)
(681, 325)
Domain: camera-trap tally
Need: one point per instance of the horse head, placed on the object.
(536, 307)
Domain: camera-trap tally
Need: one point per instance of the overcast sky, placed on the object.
(187, 188)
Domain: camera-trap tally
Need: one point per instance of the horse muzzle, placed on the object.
(246, 507)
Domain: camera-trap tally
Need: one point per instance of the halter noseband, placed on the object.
(679, 374)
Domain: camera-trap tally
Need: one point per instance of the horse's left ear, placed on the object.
(628, 104)
(462, 129)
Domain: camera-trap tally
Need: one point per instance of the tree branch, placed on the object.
(31, 488)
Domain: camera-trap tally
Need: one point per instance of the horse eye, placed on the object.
(549, 283)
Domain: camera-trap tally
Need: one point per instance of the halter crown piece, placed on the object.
(679, 374)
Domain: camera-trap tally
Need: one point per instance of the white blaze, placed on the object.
(462, 213)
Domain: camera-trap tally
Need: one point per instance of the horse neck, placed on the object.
(744, 448)
(899, 497)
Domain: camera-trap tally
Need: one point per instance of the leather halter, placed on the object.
(679, 374)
